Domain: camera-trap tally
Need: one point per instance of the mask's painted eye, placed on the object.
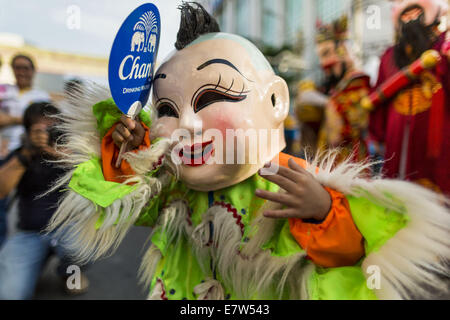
(209, 96)
(166, 110)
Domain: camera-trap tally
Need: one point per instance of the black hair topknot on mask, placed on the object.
(195, 21)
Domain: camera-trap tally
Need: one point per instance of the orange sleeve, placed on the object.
(336, 241)
(110, 152)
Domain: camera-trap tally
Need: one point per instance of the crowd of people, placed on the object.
(406, 125)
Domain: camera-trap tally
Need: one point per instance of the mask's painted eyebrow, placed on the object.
(221, 61)
(160, 76)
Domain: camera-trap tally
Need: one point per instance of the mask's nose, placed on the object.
(191, 123)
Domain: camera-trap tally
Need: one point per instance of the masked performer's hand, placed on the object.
(128, 130)
(304, 196)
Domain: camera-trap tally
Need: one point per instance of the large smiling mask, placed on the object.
(220, 84)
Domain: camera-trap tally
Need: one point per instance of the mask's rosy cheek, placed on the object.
(219, 121)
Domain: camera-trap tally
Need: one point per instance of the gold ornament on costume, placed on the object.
(418, 98)
(403, 79)
(430, 59)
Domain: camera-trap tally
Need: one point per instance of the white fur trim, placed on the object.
(76, 216)
(257, 271)
(174, 222)
(147, 160)
(158, 291)
(227, 237)
(79, 127)
(148, 265)
(416, 254)
(253, 271)
(209, 290)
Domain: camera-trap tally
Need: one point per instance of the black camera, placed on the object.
(54, 135)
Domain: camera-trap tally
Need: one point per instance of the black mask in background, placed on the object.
(416, 35)
(332, 80)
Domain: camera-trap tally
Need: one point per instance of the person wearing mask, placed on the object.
(304, 230)
(346, 121)
(414, 125)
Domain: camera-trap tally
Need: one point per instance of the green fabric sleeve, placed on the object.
(376, 223)
(107, 114)
(345, 283)
(283, 244)
(88, 181)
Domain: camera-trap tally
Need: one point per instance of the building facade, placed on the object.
(278, 23)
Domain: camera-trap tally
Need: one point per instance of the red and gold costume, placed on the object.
(346, 122)
(414, 124)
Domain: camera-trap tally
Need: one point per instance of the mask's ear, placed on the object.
(278, 95)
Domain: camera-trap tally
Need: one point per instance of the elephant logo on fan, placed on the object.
(145, 31)
(138, 40)
(152, 43)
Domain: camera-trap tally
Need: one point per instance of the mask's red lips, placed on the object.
(197, 154)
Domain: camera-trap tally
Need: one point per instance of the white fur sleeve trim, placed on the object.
(411, 263)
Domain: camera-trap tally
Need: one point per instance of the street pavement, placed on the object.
(111, 278)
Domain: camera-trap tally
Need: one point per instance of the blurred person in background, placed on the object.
(346, 122)
(15, 98)
(30, 171)
(13, 101)
(414, 125)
